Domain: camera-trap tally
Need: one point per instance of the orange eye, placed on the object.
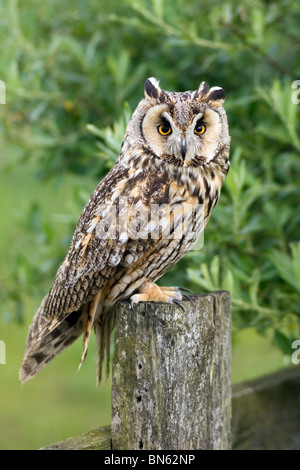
(200, 128)
(164, 129)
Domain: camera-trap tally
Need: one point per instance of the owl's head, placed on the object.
(184, 129)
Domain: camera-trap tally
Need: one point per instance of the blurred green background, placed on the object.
(74, 71)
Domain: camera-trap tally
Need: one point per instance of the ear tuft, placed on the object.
(151, 88)
(217, 95)
(214, 95)
(203, 89)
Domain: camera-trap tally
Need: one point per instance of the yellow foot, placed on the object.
(150, 292)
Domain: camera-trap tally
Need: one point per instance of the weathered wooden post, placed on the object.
(171, 375)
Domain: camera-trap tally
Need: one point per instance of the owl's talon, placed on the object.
(183, 289)
(133, 305)
(187, 297)
(174, 301)
(176, 289)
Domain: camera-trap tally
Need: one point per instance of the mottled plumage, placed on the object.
(143, 217)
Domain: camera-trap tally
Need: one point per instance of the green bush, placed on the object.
(70, 67)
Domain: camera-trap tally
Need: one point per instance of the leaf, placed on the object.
(195, 276)
(279, 98)
(236, 178)
(254, 287)
(295, 249)
(207, 277)
(228, 282)
(283, 342)
(285, 268)
(258, 23)
(215, 270)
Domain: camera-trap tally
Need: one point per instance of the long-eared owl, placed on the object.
(143, 217)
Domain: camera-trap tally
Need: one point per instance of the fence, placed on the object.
(171, 386)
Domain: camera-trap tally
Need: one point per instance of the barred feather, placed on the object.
(105, 262)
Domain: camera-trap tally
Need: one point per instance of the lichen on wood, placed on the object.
(171, 375)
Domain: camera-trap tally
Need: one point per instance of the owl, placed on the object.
(142, 218)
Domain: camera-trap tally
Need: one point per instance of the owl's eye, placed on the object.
(200, 128)
(164, 128)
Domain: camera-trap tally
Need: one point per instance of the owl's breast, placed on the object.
(165, 209)
(163, 219)
(148, 187)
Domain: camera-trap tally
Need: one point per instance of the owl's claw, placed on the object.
(180, 291)
(183, 289)
(174, 301)
(133, 303)
(187, 297)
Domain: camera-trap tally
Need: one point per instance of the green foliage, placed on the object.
(70, 67)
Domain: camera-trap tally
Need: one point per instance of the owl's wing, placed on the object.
(92, 257)
(99, 248)
(105, 230)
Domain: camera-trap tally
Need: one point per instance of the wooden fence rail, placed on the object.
(266, 412)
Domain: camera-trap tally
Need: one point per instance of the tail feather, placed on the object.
(43, 346)
(89, 312)
(103, 330)
(46, 339)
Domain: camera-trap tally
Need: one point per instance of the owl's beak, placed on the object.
(183, 149)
